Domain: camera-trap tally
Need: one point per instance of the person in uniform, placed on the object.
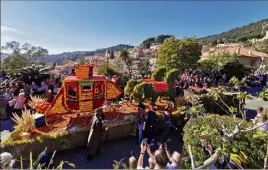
(98, 126)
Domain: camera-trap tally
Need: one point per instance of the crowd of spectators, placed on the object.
(16, 95)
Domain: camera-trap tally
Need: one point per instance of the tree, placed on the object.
(170, 78)
(264, 94)
(179, 53)
(144, 67)
(124, 55)
(232, 135)
(21, 56)
(262, 46)
(214, 43)
(102, 70)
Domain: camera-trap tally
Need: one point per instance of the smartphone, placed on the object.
(144, 141)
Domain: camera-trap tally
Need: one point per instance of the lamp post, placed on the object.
(107, 54)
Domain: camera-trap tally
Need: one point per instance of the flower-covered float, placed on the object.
(72, 109)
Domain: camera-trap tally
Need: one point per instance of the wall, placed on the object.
(247, 61)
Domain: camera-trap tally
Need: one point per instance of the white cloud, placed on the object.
(7, 29)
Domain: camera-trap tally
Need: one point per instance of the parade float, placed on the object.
(65, 122)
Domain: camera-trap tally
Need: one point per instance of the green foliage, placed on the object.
(124, 55)
(236, 33)
(145, 91)
(170, 78)
(130, 86)
(102, 70)
(221, 59)
(138, 91)
(159, 73)
(33, 72)
(250, 36)
(226, 62)
(235, 69)
(22, 56)
(179, 53)
(158, 39)
(264, 94)
(262, 46)
(35, 164)
(208, 129)
(207, 64)
(194, 111)
(144, 68)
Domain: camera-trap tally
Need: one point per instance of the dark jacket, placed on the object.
(152, 119)
(95, 134)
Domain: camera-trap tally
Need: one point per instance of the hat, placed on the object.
(98, 110)
(141, 105)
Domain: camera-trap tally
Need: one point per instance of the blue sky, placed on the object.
(62, 26)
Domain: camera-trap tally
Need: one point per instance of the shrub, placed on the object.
(159, 73)
(145, 91)
(208, 128)
(130, 86)
(264, 94)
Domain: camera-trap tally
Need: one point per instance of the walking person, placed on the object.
(98, 126)
(167, 124)
(141, 122)
(151, 123)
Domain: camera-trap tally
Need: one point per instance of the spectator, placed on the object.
(49, 96)
(151, 123)
(140, 160)
(168, 125)
(175, 158)
(161, 159)
(43, 88)
(151, 163)
(18, 102)
(34, 88)
(133, 163)
(259, 114)
(264, 122)
(6, 161)
(141, 122)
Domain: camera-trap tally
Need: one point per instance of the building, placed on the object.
(246, 56)
(153, 64)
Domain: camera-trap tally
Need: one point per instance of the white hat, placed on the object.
(6, 160)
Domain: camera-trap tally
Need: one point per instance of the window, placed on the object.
(86, 87)
(252, 62)
(72, 92)
(99, 92)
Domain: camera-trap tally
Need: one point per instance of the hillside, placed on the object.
(252, 30)
(78, 54)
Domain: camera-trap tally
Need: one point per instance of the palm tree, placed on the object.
(124, 55)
